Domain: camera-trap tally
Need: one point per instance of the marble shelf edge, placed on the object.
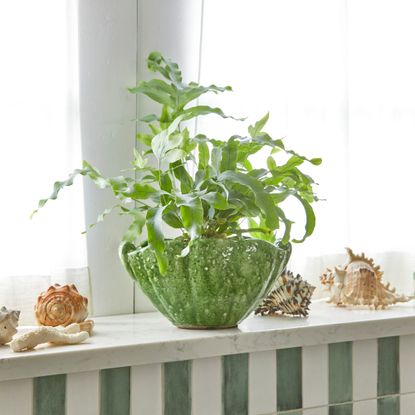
(132, 340)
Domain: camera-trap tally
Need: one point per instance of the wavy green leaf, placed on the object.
(191, 212)
(156, 62)
(157, 90)
(144, 139)
(154, 220)
(263, 199)
(87, 170)
(310, 220)
(173, 155)
(136, 227)
(150, 118)
(102, 215)
(186, 181)
(217, 200)
(287, 223)
(259, 125)
(203, 155)
(193, 91)
(139, 191)
(229, 156)
(199, 110)
(165, 140)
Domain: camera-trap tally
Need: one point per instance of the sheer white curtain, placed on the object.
(39, 144)
(338, 78)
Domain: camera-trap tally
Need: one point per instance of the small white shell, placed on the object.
(9, 320)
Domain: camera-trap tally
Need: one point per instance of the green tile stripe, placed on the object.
(389, 405)
(388, 366)
(289, 379)
(340, 373)
(345, 409)
(49, 392)
(115, 391)
(177, 388)
(235, 374)
(49, 395)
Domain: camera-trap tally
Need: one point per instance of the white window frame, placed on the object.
(114, 41)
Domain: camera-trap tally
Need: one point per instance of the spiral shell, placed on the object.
(61, 306)
(290, 296)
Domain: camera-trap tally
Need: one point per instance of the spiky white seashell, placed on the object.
(359, 283)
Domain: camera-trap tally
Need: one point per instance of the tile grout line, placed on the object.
(291, 411)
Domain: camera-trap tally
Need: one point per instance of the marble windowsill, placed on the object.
(128, 340)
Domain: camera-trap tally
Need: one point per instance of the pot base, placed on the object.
(192, 327)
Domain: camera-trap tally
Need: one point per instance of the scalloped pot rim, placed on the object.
(216, 285)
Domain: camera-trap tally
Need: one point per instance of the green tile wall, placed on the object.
(289, 379)
(389, 406)
(388, 366)
(344, 409)
(49, 392)
(115, 391)
(49, 395)
(177, 388)
(235, 384)
(340, 372)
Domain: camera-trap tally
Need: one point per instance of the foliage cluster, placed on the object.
(202, 186)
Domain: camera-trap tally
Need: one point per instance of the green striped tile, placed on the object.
(235, 384)
(177, 388)
(115, 391)
(345, 409)
(388, 366)
(389, 405)
(289, 379)
(49, 395)
(340, 372)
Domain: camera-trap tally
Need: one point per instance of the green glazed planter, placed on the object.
(215, 286)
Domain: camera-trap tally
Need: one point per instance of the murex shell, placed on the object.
(289, 296)
(61, 306)
(359, 283)
(8, 324)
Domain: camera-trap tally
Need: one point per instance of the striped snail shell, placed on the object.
(61, 306)
(290, 296)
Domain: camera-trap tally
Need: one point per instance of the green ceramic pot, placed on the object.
(215, 286)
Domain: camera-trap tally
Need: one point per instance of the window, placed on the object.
(338, 79)
(336, 75)
(40, 142)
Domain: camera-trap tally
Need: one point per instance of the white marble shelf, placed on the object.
(129, 340)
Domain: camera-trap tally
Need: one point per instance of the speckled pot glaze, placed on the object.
(216, 285)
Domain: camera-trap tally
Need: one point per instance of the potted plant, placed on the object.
(226, 212)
